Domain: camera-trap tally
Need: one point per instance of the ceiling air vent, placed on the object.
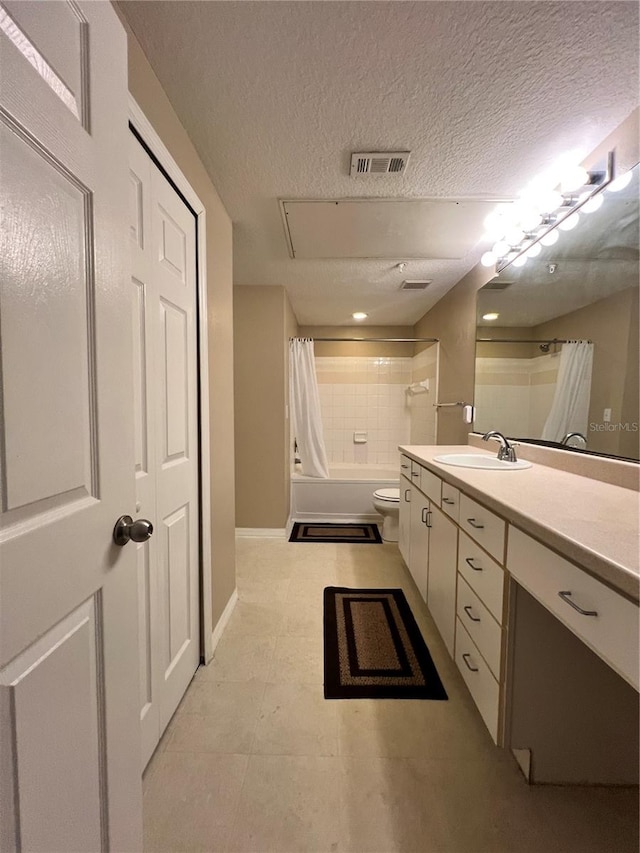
(497, 284)
(379, 163)
(415, 284)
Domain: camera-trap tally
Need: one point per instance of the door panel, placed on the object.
(68, 609)
(163, 240)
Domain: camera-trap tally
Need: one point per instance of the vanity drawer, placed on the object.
(405, 466)
(450, 500)
(477, 676)
(484, 575)
(430, 485)
(481, 626)
(414, 474)
(482, 525)
(612, 633)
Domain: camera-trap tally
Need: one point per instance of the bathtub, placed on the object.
(345, 496)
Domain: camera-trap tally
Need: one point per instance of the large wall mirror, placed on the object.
(561, 365)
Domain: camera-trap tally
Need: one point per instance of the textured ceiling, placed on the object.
(486, 95)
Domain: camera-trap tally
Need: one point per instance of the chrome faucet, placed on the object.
(506, 451)
(571, 435)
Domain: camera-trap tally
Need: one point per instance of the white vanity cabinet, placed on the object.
(418, 563)
(404, 521)
(441, 590)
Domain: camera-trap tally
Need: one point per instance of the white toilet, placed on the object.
(387, 503)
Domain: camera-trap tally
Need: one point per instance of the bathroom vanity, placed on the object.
(532, 579)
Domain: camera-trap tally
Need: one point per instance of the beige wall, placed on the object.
(612, 325)
(360, 349)
(506, 350)
(146, 89)
(453, 320)
(263, 321)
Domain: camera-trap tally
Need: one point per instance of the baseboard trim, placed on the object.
(371, 518)
(260, 532)
(223, 621)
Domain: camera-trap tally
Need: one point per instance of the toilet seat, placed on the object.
(390, 495)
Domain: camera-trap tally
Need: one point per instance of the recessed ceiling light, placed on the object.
(490, 316)
(359, 315)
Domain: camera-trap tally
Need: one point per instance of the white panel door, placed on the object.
(163, 238)
(69, 734)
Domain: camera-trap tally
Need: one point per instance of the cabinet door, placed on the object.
(419, 552)
(405, 521)
(443, 554)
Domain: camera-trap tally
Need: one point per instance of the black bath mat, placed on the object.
(305, 531)
(373, 648)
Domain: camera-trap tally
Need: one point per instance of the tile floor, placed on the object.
(256, 759)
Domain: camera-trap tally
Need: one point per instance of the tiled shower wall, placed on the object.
(364, 395)
(370, 395)
(515, 395)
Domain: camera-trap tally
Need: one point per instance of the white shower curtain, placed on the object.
(305, 408)
(570, 407)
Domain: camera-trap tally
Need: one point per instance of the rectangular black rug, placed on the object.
(306, 531)
(373, 648)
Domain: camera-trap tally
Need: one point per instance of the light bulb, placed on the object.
(514, 236)
(573, 178)
(550, 238)
(501, 248)
(359, 315)
(495, 224)
(526, 216)
(488, 259)
(520, 261)
(534, 251)
(548, 200)
(569, 223)
(620, 183)
(594, 203)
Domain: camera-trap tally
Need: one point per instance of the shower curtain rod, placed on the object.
(374, 340)
(526, 341)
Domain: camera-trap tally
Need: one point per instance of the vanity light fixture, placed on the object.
(490, 316)
(359, 315)
(532, 221)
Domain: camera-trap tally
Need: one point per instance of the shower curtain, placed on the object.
(570, 407)
(305, 408)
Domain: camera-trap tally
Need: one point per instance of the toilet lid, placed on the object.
(388, 494)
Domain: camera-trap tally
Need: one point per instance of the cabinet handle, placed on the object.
(467, 610)
(404, 466)
(565, 596)
(472, 668)
(415, 473)
(428, 521)
(469, 562)
(475, 524)
(448, 501)
(406, 492)
(425, 510)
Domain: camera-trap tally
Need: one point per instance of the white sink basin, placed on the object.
(477, 460)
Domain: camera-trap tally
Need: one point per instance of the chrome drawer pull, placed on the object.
(475, 524)
(565, 596)
(404, 466)
(406, 492)
(424, 510)
(472, 668)
(415, 473)
(469, 562)
(467, 610)
(448, 501)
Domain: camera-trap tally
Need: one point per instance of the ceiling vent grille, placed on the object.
(496, 284)
(379, 163)
(415, 284)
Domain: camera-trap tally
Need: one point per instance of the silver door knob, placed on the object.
(126, 528)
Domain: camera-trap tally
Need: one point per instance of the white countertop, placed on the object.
(592, 523)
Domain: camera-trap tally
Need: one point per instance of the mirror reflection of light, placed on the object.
(550, 238)
(569, 223)
(520, 261)
(593, 204)
(620, 183)
(488, 259)
(534, 251)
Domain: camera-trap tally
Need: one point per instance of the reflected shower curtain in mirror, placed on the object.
(570, 407)
(305, 408)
